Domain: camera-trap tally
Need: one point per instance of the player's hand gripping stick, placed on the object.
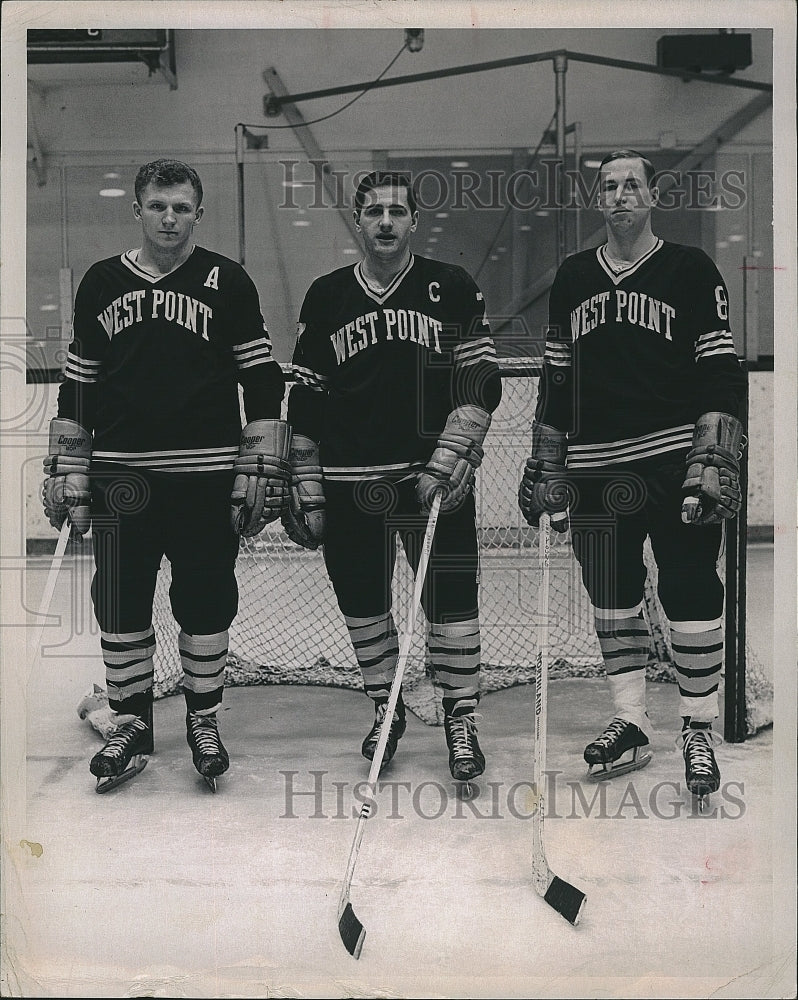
(260, 488)
(66, 492)
(305, 519)
(543, 486)
(712, 485)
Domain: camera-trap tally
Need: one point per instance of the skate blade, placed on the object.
(137, 765)
(701, 799)
(210, 782)
(466, 790)
(607, 771)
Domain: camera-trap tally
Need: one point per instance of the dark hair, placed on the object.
(630, 154)
(165, 173)
(379, 178)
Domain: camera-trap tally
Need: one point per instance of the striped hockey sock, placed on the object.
(454, 654)
(698, 657)
(625, 643)
(203, 658)
(128, 669)
(376, 647)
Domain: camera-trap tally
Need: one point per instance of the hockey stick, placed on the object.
(565, 898)
(352, 931)
(49, 589)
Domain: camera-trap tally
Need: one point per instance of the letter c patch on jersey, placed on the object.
(433, 295)
(212, 281)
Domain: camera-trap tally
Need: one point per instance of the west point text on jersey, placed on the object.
(404, 324)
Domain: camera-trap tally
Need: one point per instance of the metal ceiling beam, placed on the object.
(707, 147)
(276, 102)
(312, 149)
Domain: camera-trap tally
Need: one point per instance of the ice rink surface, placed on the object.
(161, 888)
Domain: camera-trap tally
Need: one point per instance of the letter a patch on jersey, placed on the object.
(212, 281)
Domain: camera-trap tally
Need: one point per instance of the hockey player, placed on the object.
(147, 449)
(640, 401)
(396, 380)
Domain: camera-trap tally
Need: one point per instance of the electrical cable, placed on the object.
(348, 104)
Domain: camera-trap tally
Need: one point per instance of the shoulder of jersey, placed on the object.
(454, 274)
(340, 276)
(691, 253)
(203, 256)
(577, 262)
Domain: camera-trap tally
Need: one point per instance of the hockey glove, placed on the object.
(304, 519)
(711, 488)
(453, 465)
(543, 485)
(260, 488)
(66, 491)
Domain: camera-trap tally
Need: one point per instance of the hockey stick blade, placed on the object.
(566, 899)
(352, 932)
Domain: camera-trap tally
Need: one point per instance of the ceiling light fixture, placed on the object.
(112, 193)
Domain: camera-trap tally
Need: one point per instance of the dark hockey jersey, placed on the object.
(155, 362)
(379, 371)
(634, 357)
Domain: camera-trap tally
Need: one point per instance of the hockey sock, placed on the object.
(454, 655)
(203, 658)
(376, 647)
(128, 666)
(698, 657)
(624, 639)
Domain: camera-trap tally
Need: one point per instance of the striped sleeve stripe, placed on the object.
(308, 378)
(264, 358)
(480, 345)
(85, 363)
(485, 352)
(561, 357)
(700, 356)
(715, 342)
(252, 347)
(81, 370)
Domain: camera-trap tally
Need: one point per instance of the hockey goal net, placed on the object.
(289, 630)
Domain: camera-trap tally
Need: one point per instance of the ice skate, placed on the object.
(398, 726)
(466, 760)
(207, 749)
(605, 755)
(700, 767)
(125, 753)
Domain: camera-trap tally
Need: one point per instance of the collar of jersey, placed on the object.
(382, 294)
(130, 260)
(618, 276)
